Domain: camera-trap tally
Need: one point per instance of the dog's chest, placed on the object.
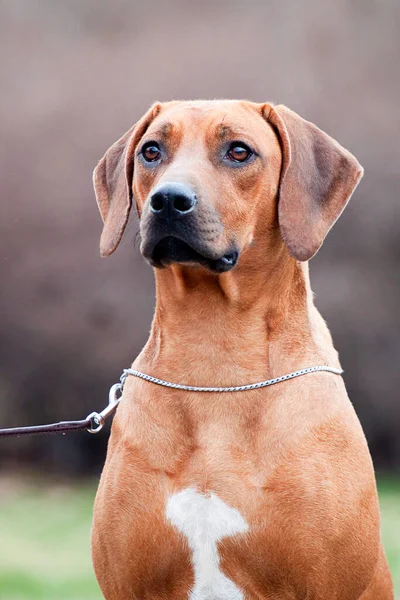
(205, 520)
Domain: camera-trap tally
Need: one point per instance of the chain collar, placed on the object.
(237, 388)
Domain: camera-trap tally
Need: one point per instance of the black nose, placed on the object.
(173, 200)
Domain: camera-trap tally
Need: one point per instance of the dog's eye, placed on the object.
(151, 152)
(239, 152)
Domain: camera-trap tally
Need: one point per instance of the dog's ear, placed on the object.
(318, 177)
(112, 180)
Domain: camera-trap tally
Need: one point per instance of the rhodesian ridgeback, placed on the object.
(267, 493)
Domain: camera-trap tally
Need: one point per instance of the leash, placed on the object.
(95, 421)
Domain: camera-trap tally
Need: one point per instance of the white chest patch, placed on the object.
(204, 521)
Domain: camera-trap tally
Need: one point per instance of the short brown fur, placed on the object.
(291, 458)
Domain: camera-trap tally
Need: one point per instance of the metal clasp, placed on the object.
(97, 420)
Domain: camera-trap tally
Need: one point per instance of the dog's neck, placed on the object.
(235, 328)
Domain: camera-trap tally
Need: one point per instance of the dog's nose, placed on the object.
(173, 200)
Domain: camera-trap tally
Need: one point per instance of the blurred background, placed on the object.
(75, 75)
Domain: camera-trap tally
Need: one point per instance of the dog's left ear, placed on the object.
(318, 177)
(112, 180)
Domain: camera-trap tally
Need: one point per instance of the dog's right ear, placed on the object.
(112, 180)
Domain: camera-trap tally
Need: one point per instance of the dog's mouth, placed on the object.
(171, 249)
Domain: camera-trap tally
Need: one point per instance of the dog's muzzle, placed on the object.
(175, 230)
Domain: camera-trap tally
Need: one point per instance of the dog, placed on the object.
(267, 493)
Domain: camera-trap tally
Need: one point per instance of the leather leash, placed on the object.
(93, 422)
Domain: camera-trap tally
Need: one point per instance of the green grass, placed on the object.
(44, 540)
(389, 497)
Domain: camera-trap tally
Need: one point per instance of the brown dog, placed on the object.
(262, 494)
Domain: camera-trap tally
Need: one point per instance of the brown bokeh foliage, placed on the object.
(74, 76)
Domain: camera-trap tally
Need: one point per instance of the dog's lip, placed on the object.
(189, 255)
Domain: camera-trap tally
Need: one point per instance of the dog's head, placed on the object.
(214, 180)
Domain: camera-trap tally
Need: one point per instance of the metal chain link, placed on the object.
(237, 388)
